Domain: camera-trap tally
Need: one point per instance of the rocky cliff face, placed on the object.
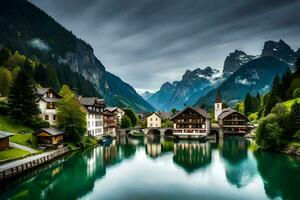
(280, 50)
(234, 61)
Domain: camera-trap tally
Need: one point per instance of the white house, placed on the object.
(47, 102)
(94, 108)
(154, 120)
(118, 112)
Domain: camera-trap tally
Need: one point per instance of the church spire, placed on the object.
(218, 97)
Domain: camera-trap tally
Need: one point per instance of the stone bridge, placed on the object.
(147, 131)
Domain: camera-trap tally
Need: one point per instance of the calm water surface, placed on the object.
(158, 168)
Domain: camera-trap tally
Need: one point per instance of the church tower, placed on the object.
(218, 105)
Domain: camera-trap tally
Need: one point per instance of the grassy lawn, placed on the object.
(10, 126)
(12, 153)
(23, 139)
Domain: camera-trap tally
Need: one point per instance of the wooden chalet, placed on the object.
(4, 140)
(110, 122)
(49, 137)
(191, 122)
(232, 122)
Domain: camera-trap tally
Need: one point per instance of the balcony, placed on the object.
(190, 131)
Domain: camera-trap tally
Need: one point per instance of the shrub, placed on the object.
(269, 132)
(297, 135)
(297, 93)
(38, 123)
(3, 108)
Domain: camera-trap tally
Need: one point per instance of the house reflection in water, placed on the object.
(156, 146)
(192, 155)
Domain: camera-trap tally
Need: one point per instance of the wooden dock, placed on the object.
(19, 166)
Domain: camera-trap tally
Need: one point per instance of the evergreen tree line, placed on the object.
(251, 104)
(283, 88)
(278, 124)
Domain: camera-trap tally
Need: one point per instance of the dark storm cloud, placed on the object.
(148, 42)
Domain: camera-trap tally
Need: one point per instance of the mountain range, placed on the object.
(186, 91)
(29, 30)
(241, 74)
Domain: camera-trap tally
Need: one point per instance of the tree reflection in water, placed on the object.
(281, 174)
(239, 168)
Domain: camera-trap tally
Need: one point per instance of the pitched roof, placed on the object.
(42, 90)
(90, 101)
(165, 115)
(51, 131)
(4, 134)
(218, 97)
(196, 109)
(227, 111)
(111, 109)
(152, 114)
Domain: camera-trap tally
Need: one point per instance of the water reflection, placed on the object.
(281, 174)
(229, 166)
(192, 156)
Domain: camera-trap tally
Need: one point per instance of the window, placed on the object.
(54, 117)
(47, 117)
(156, 119)
(151, 125)
(150, 119)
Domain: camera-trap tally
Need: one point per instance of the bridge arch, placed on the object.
(168, 132)
(154, 131)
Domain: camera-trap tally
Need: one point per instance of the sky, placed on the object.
(149, 42)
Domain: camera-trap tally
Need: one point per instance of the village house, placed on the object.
(191, 122)
(154, 120)
(4, 140)
(118, 112)
(110, 123)
(94, 108)
(231, 122)
(49, 137)
(47, 102)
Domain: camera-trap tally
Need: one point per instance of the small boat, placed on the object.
(106, 139)
(136, 134)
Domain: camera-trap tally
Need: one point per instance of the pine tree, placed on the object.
(5, 81)
(295, 117)
(248, 107)
(22, 99)
(274, 96)
(285, 84)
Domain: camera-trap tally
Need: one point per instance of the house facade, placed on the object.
(192, 121)
(231, 122)
(47, 102)
(49, 137)
(118, 112)
(94, 108)
(110, 123)
(154, 120)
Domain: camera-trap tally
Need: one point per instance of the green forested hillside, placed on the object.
(67, 59)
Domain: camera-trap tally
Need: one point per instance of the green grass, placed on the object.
(12, 153)
(9, 125)
(289, 103)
